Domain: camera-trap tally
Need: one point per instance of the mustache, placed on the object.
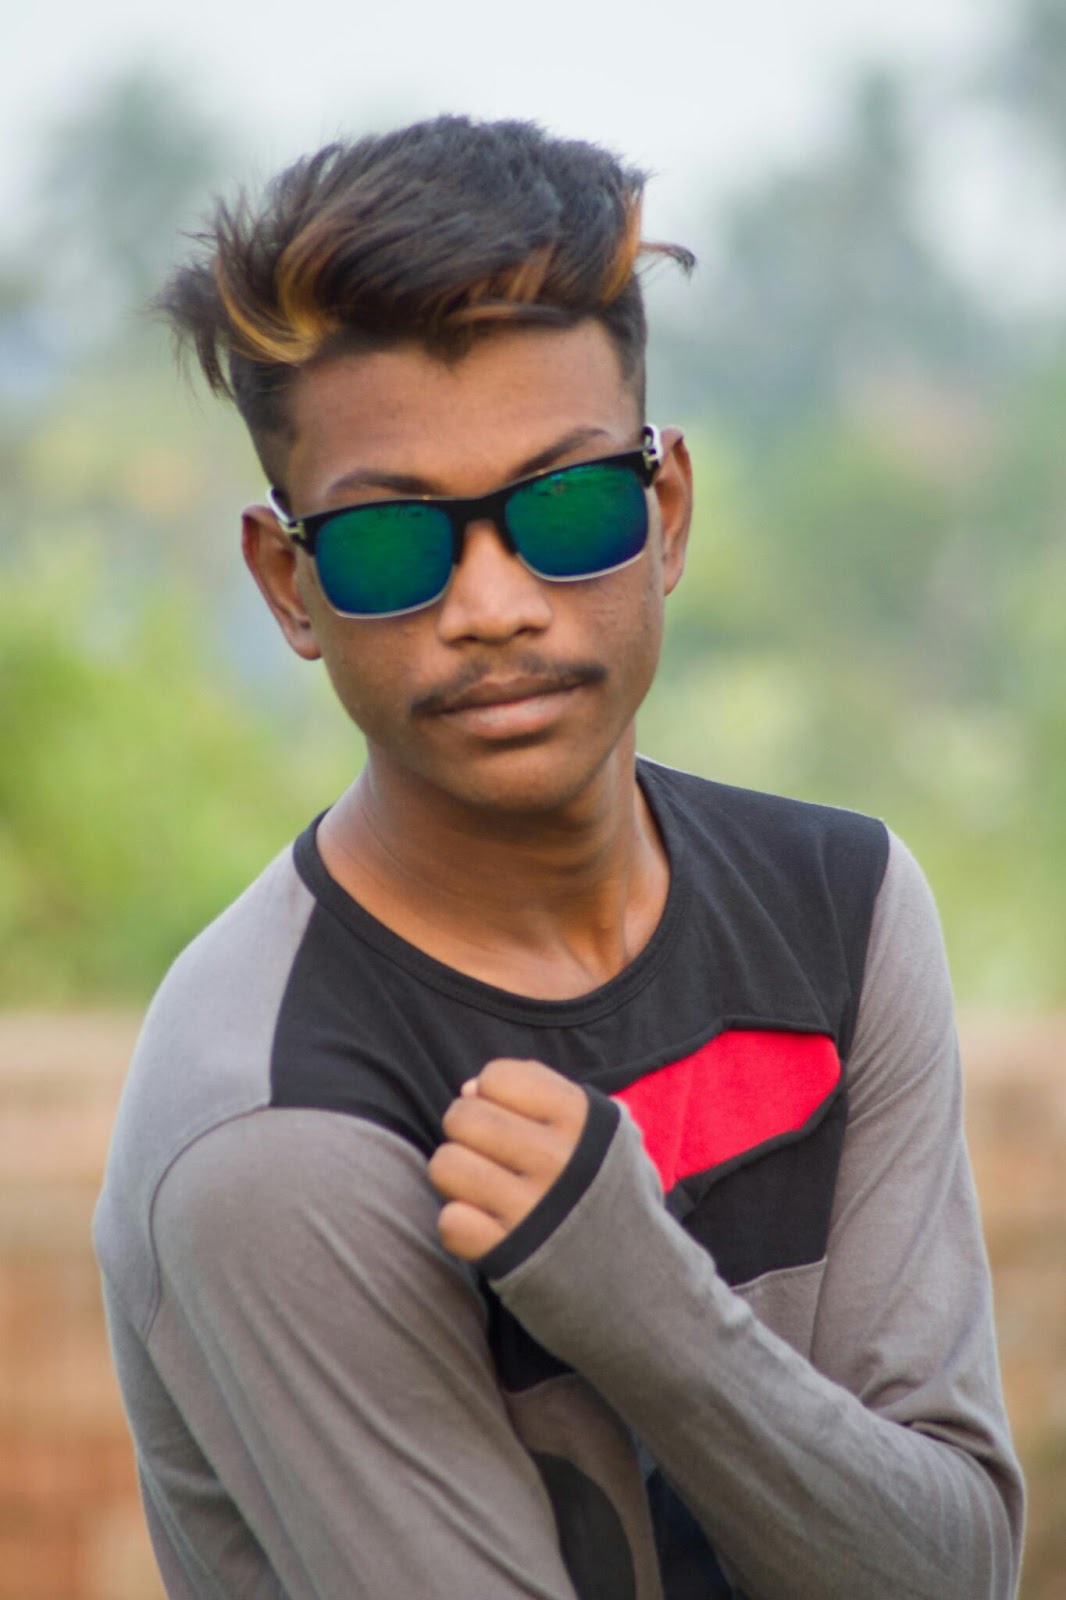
(548, 675)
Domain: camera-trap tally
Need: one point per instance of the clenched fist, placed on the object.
(507, 1138)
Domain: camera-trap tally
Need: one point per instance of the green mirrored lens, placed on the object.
(379, 558)
(580, 521)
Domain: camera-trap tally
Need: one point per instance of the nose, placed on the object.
(491, 595)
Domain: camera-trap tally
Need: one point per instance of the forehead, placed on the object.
(465, 424)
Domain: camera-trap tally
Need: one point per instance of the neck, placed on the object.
(545, 904)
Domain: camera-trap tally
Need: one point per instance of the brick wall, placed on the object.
(70, 1519)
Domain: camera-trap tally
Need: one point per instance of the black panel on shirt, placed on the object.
(770, 1213)
(687, 1561)
(592, 1540)
(349, 1038)
(521, 1363)
(765, 927)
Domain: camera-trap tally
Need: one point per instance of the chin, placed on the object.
(524, 783)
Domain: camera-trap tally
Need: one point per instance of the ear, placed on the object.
(274, 563)
(673, 491)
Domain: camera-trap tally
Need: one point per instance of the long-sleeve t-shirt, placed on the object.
(744, 1344)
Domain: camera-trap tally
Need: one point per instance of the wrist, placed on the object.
(554, 1206)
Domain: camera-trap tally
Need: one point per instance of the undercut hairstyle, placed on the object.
(436, 234)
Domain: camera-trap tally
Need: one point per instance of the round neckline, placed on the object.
(462, 986)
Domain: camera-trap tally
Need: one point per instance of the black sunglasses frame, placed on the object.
(491, 507)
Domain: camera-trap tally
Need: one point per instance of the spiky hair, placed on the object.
(436, 233)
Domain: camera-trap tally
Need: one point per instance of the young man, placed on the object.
(705, 1310)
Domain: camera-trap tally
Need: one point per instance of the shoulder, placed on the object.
(212, 1017)
(764, 826)
(792, 886)
(257, 933)
(804, 863)
(203, 1057)
(907, 1016)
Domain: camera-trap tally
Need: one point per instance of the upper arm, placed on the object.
(331, 1362)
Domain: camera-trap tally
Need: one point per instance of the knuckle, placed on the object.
(464, 1118)
(454, 1236)
(494, 1074)
(453, 1117)
(443, 1164)
(578, 1106)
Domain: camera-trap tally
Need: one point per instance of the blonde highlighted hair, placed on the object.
(436, 233)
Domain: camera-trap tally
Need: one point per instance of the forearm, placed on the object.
(803, 1489)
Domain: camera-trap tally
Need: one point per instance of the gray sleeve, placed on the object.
(329, 1361)
(882, 1467)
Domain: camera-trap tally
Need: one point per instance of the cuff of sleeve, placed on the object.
(564, 1194)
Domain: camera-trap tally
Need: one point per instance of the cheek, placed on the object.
(368, 666)
(353, 691)
(646, 624)
(635, 618)
(625, 628)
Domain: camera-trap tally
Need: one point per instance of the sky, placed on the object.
(704, 93)
(695, 89)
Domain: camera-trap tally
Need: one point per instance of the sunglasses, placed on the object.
(384, 558)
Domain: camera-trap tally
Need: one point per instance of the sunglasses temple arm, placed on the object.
(291, 525)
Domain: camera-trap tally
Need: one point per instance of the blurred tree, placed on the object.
(124, 173)
(29, 367)
(1028, 72)
(139, 790)
(856, 530)
(825, 285)
(870, 615)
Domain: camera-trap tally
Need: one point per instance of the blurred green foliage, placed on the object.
(138, 792)
(858, 626)
(871, 614)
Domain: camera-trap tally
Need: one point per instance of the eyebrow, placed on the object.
(410, 484)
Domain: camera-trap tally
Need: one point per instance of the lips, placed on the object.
(505, 691)
(484, 688)
(509, 710)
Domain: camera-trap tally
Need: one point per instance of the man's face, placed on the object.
(509, 692)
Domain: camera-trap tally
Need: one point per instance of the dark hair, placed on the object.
(437, 233)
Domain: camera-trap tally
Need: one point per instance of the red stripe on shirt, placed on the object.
(734, 1093)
